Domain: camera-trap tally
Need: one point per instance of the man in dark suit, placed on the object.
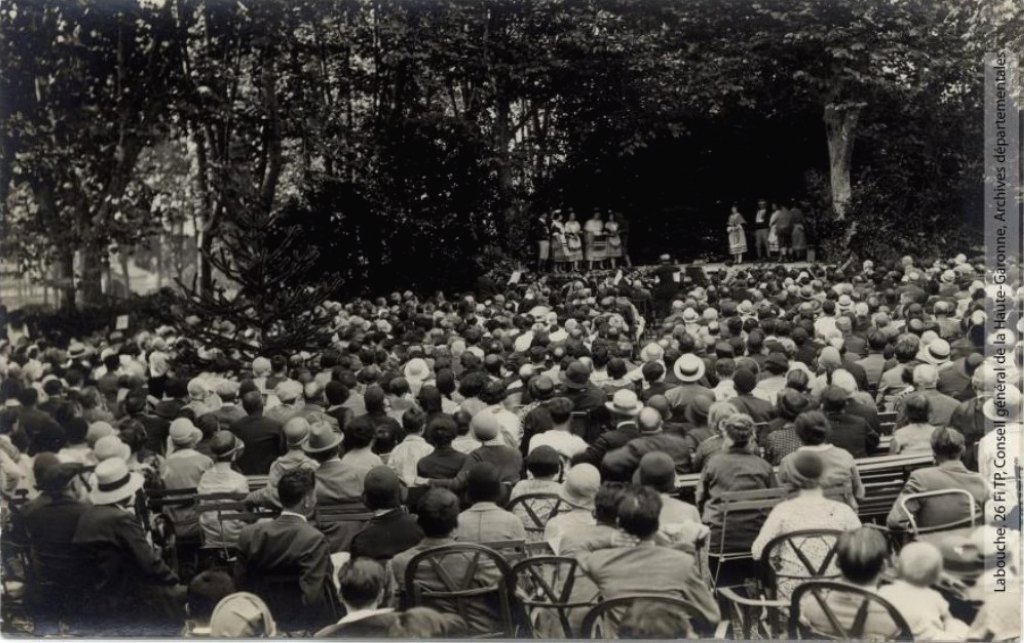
(176, 395)
(850, 432)
(263, 437)
(949, 473)
(758, 409)
(59, 572)
(133, 591)
(392, 529)
(157, 428)
(586, 398)
(624, 407)
(287, 561)
(646, 568)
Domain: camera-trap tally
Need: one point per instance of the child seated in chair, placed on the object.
(925, 610)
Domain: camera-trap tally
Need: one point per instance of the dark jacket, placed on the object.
(264, 443)
(621, 463)
(758, 409)
(287, 563)
(608, 441)
(386, 535)
(122, 560)
(507, 461)
(939, 510)
(851, 432)
(157, 429)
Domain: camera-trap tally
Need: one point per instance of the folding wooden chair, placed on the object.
(743, 506)
(603, 620)
(469, 580)
(545, 583)
(537, 510)
(513, 551)
(759, 608)
(837, 629)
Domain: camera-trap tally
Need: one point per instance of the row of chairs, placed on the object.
(545, 584)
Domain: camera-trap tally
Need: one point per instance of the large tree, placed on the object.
(85, 89)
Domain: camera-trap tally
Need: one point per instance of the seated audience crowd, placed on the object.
(669, 437)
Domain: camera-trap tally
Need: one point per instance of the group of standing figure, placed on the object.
(781, 235)
(565, 244)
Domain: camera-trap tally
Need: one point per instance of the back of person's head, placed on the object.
(833, 399)
(28, 396)
(382, 488)
(336, 392)
(925, 376)
(294, 487)
(638, 511)
(560, 409)
(463, 419)
(920, 564)
(438, 513)
(798, 380)
(725, 367)
(718, 413)
(441, 431)
(649, 619)
(543, 462)
(649, 420)
(252, 402)
(606, 502)
(361, 583)
(205, 590)
(398, 386)
(861, 554)
(359, 433)
(657, 471)
(811, 427)
(374, 399)
(652, 371)
(917, 408)
(947, 443)
(739, 429)
(617, 368)
(907, 346)
(75, 430)
(483, 483)
(809, 465)
(414, 420)
(424, 623)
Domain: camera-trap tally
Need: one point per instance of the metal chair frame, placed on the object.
(917, 531)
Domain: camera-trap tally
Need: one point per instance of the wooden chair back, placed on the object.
(838, 630)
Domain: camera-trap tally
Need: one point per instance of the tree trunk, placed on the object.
(66, 279)
(92, 274)
(840, 124)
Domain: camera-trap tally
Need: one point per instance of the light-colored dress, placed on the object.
(595, 248)
(796, 514)
(737, 235)
(611, 231)
(559, 243)
(573, 240)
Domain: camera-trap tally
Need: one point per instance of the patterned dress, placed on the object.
(737, 235)
(805, 511)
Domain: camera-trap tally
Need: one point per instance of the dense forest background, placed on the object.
(378, 144)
